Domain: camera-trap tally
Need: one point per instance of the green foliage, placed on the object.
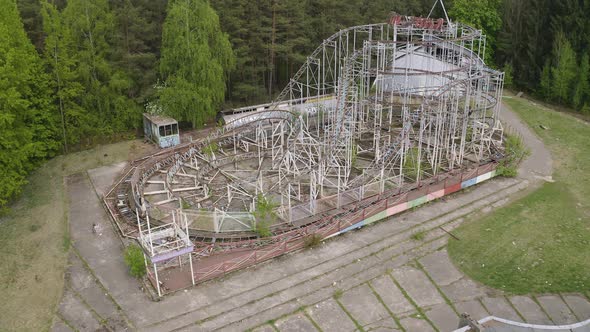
(582, 83)
(508, 78)
(135, 261)
(27, 117)
(354, 154)
(564, 70)
(210, 149)
(515, 152)
(264, 215)
(196, 59)
(542, 40)
(545, 85)
(30, 11)
(136, 44)
(273, 38)
(481, 14)
(412, 163)
(91, 93)
(263, 228)
(184, 204)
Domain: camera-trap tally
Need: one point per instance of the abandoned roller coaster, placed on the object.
(379, 119)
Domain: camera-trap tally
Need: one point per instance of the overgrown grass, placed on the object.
(34, 239)
(135, 261)
(540, 243)
(515, 152)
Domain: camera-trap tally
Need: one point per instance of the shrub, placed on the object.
(312, 240)
(264, 215)
(135, 261)
(263, 228)
(418, 236)
(210, 149)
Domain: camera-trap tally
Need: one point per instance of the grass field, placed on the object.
(540, 243)
(34, 239)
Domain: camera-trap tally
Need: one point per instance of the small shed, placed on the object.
(161, 130)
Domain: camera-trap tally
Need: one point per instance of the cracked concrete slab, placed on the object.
(391, 295)
(463, 290)
(330, 317)
(443, 317)
(440, 268)
(416, 324)
(264, 328)
(530, 310)
(499, 307)
(363, 305)
(77, 314)
(473, 308)
(557, 309)
(384, 325)
(84, 283)
(295, 323)
(418, 286)
(60, 326)
(579, 305)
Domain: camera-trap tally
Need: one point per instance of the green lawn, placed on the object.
(540, 243)
(34, 239)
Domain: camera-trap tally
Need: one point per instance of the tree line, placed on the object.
(79, 72)
(544, 44)
(272, 38)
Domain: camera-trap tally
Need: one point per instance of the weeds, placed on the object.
(264, 215)
(515, 152)
(312, 240)
(135, 261)
(338, 293)
(418, 236)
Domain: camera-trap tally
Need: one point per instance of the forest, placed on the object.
(76, 73)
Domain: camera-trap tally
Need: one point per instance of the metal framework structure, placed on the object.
(376, 109)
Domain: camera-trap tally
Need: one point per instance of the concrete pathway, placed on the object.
(374, 279)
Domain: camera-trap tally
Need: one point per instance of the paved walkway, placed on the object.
(376, 279)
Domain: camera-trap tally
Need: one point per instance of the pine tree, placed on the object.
(508, 79)
(564, 71)
(26, 119)
(544, 90)
(196, 60)
(582, 86)
(137, 42)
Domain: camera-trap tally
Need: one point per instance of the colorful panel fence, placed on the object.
(420, 200)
